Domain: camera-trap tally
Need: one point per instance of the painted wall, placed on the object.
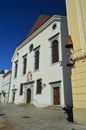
(77, 29)
(47, 71)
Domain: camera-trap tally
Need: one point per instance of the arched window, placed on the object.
(37, 60)
(55, 54)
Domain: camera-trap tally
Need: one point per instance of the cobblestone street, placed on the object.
(25, 117)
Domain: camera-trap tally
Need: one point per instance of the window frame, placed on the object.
(36, 58)
(38, 86)
(55, 51)
(51, 40)
(24, 64)
(16, 69)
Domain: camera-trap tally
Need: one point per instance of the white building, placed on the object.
(6, 82)
(1, 79)
(39, 72)
(2, 74)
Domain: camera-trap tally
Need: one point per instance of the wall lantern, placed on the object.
(69, 43)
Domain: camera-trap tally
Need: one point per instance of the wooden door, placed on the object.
(28, 95)
(56, 97)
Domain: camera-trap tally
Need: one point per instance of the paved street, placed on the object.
(24, 117)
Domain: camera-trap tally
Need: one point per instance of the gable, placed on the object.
(39, 22)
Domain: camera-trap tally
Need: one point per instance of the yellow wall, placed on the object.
(83, 11)
(79, 70)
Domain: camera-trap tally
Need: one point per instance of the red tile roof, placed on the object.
(40, 21)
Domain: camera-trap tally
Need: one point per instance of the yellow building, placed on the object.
(76, 13)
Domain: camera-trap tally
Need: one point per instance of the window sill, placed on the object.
(57, 63)
(36, 70)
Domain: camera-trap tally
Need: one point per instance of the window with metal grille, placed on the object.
(39, 86)
(55, 55)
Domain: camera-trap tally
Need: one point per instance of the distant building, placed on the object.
(76, 13)
(39, 72)
(1, 79)
(2, 73)
(6, 87)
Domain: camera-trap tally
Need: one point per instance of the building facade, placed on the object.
(1, 79)
(39, 72)
(77, 30)
(6, 82)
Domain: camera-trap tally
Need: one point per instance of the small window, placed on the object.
(54, 26)
(21, 89)
(39, 86)
(31, 48)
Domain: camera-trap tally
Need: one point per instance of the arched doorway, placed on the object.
(28, 95)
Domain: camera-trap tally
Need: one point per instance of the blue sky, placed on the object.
(16, 19)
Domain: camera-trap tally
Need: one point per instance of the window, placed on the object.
(16, 69)
(55, 55)
(54, 26)
(24, 64)
(21, 89)
(37, 60)
(31, 48)
(39, 86)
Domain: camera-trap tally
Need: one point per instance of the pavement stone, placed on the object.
(23, 117)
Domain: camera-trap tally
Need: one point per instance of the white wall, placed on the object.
(47, 71)
(6, 88)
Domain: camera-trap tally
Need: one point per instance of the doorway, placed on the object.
(56, 96)
(28, 95)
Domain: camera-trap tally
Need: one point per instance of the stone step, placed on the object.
(26, 105)
(55, 107)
